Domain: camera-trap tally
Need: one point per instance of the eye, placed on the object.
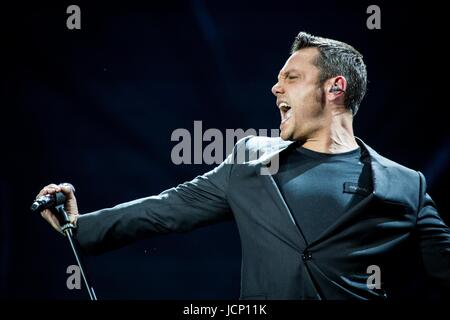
(292, 77)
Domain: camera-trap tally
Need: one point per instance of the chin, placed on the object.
(285, 136)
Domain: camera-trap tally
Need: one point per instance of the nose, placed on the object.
(277, 89)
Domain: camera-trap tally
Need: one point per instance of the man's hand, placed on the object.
(70, 205)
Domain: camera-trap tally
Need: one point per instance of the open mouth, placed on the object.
(285, 111)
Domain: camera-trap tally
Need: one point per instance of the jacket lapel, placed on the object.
(382, 176)
(381, 179)
(390, 180)
(293, 232)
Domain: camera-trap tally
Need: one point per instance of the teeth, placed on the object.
(287, 115)
(285, 110)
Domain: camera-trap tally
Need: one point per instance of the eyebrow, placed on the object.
(287, 72)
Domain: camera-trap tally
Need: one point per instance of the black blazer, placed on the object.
(396, 228)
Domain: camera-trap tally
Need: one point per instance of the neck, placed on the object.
(336, 136)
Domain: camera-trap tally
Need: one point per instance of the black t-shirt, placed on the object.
(319, 187)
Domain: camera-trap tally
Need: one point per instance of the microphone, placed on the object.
(47, 201)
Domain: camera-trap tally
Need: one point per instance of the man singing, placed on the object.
(333, 214)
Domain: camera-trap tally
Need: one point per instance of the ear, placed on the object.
(335, 89)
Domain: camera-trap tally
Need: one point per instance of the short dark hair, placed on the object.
(337, 58)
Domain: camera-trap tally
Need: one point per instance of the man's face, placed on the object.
(299, 96)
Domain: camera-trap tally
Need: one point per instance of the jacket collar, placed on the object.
(386, 176)
(391, 181)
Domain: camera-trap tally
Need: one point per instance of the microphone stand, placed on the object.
(68, 229)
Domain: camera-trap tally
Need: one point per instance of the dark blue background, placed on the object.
(97, 106)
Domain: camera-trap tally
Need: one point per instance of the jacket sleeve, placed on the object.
(192, 204)
(434, 238)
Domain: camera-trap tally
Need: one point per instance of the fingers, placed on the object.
(67, 188)
(47, 189)
(71, 205)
